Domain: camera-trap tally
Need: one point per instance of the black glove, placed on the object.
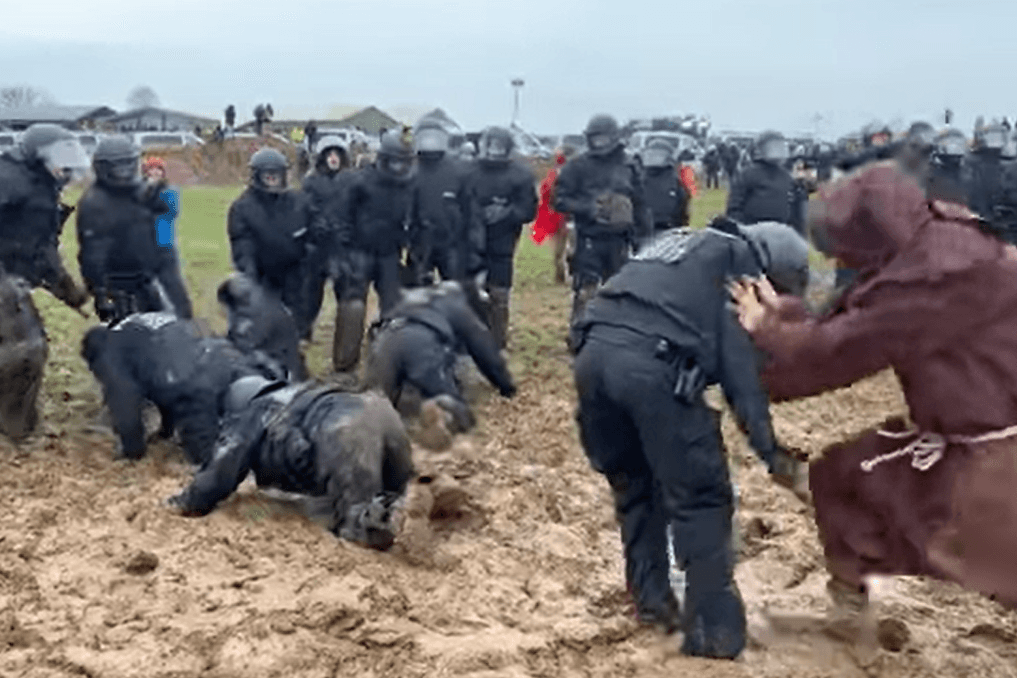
(509, 391)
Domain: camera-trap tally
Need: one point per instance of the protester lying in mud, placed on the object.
(348, 452)
(935, 299)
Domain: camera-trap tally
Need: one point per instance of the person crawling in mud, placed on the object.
(159, 358)
(259, 321)
(650, 341)
(935, 299)
(348, 452)
(418, 342)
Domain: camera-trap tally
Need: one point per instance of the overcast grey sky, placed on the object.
(746, 64)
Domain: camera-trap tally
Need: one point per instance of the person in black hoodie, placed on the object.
(326, 186)
(119, 254)
(666, 196)
(375, 212)
(273, 230)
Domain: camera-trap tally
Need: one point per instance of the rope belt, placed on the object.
(928, 448)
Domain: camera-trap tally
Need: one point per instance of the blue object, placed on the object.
(164, 222)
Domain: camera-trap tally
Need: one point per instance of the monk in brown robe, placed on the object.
(936, 301)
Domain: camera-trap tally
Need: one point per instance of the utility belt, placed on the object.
(393, 324)
(690, 378)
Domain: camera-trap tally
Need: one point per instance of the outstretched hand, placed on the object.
(753, 298)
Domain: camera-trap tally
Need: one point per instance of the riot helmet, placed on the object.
(467, 151)
(918, 147)
(951, 144)
(116, 162)
(330, 153)
(395, 156)
(603, 135)
(268, 170)
(496, 145)
(783, 254)
(771, 147)
(657, 155)
(56, 149)
(430, 139)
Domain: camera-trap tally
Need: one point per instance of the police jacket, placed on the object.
(948, 180)
(117, 233)
(990, 193)
(440, 208)
(31, 219)
(449, 315)
(509, 183)
(272, 436)
(269, 232)
(587, 177)
(666, 198)
(676, 289)
(764, 192)
(376, 210)
(326, 191)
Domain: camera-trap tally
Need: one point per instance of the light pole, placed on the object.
(517, 86)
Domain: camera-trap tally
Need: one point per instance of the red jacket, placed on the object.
(548, 221)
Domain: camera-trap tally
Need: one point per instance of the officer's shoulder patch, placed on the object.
(671, 246)
(150, 321)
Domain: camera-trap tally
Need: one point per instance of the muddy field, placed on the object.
(509, 563)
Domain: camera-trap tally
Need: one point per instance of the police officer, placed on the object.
(273, 231)
(119, 254)
(989, 194)
(947, 178)
(418, 341)
(375, 212)
(503, 197)
(326, 186)
(32, 176)
(766, 191)
(440, 212)
(650, 342)
(348, 452)
(603, 192)
(666, 196)
(467, 152)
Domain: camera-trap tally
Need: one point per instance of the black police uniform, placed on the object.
(601, 249)
(666, 198)
(163, 359)
(651, 340)
(439, 223)
(119, 255)
(270, 234)
(348, 450)
(418, 342)
(766, 192)
(375, 213)
(948, 179)
(326, 190)
(992, 193)
(31, 220)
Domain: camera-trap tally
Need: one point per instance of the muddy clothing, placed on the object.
(31, 221)
(936, 301)
(766, 192)
(160, 358)
(652, 339)
(666, 198)
(272, 236)
(349, 451)
(601, 243)
(418, 342)
(260, 322)
(503, 198)
(440, 220)
(326, 190)
(375, 212)
(23, 352)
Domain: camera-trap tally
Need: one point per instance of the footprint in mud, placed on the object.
(1000, 640)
